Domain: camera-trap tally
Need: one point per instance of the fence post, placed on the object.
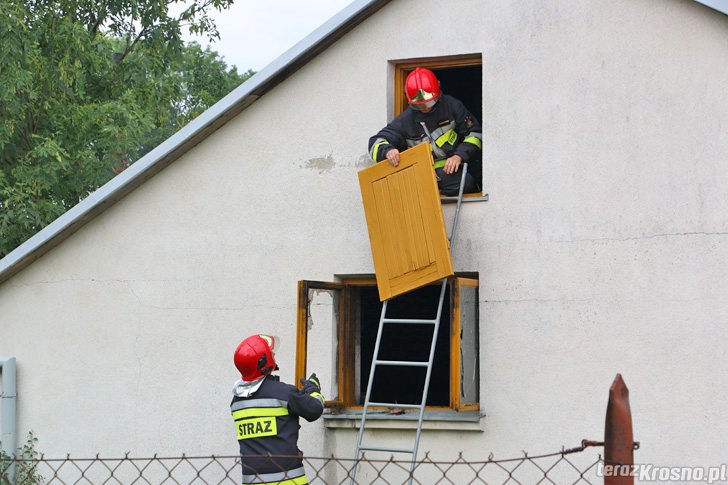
(618, 438)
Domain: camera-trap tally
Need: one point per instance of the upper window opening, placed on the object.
(460, 77)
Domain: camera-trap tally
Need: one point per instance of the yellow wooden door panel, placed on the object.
(405, 222)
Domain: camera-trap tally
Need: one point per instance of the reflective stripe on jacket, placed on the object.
(290, 477)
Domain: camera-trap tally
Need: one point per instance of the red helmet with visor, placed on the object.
(255, 356)
(422, 89)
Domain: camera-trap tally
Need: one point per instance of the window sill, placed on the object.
(433, 420)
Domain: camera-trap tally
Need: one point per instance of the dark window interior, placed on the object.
(465, 84)
(405, 342)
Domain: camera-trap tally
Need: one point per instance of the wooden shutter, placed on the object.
(406, 226)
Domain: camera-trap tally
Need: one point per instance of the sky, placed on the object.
(253, 33)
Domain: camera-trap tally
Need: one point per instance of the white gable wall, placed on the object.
(602, 250)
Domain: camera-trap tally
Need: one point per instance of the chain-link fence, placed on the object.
(567, 466)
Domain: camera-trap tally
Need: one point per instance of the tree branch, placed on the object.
(129, 47)
(100, 18)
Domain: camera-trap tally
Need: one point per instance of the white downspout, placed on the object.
(8, 422)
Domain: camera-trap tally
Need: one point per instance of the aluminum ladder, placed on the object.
(376, 362)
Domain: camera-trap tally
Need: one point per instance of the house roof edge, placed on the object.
(719, 5)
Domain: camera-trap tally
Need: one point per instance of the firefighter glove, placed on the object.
(311, 384)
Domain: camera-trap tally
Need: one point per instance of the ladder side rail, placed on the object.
(423, 402)
(375, 356)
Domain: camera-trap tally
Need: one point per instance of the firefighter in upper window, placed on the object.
(266, 413)
(453, 132)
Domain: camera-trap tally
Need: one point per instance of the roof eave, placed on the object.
(719, 5)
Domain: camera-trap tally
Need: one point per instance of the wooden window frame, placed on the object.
(403, 67)
(345, 371)
(302, 336)
(456, 326)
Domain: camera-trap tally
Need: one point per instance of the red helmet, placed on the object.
(422, 89)
(255, 356)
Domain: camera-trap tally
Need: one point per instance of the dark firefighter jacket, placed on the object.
(266, 423)
(452, 131)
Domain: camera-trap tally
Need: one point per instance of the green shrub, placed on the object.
(26, 464)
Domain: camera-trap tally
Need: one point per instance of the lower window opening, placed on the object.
(404, 385)
(337, 331)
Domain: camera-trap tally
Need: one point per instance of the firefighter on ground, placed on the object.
(266, 413)
(453, 132)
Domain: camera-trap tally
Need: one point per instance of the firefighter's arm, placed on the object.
(470, 131)
(389, 138)
(308, 402)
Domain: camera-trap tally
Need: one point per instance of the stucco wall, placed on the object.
(603, 247)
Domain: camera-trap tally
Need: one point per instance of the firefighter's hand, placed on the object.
(311, 384)
(452, 164)
(393, 156)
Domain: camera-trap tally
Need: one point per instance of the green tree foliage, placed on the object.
(86, 88)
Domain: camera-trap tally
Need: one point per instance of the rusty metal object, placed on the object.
(619, 443)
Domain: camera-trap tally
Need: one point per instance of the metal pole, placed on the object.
(618, 438)
(457, 208)
(8, 428)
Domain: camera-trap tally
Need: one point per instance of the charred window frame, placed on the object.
(337, 326)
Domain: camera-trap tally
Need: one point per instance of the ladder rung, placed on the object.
(395, 450)
(409, 320)
(403, 363)
(395, 405)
